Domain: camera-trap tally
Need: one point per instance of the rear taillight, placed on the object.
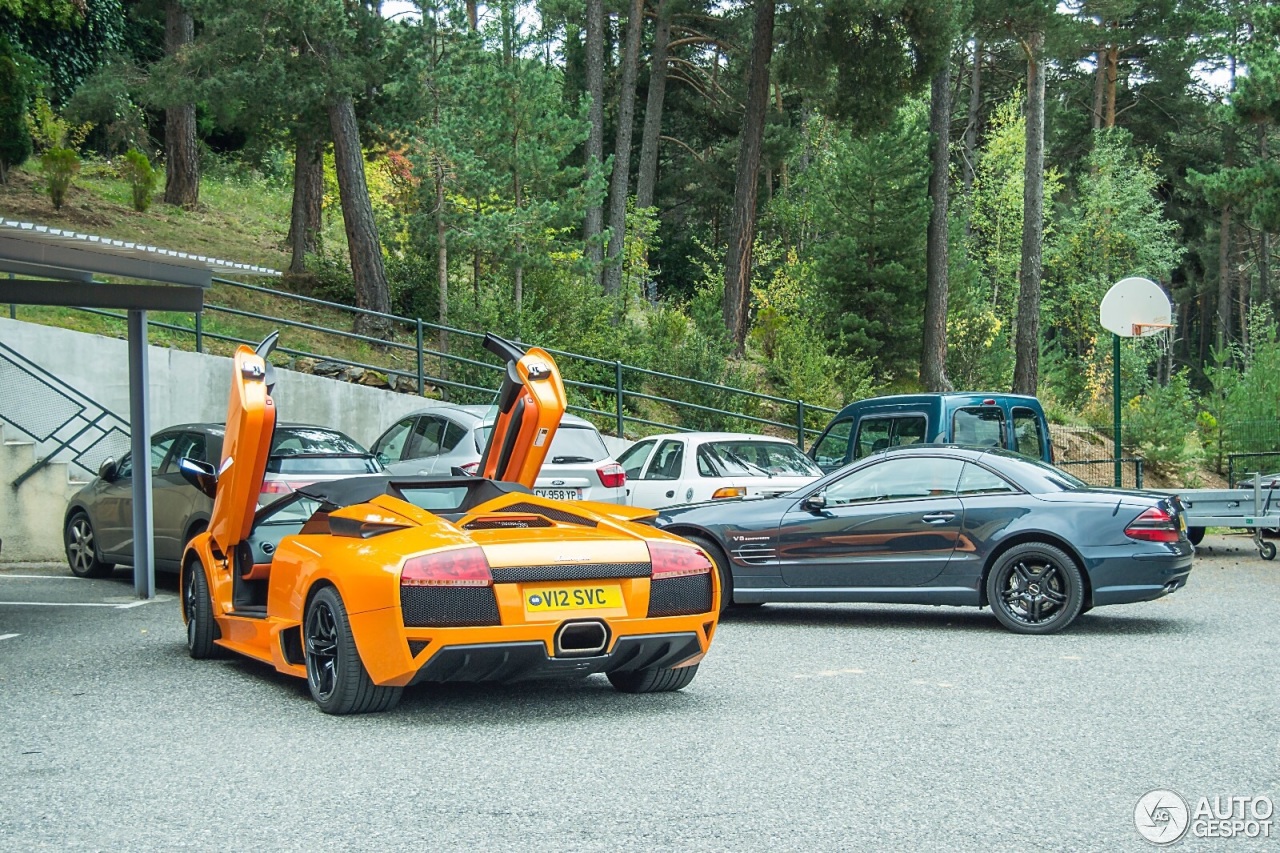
(675, 561)
(276, 487)
(612, 475)
(470, 468)
(1154, 525)
(460, 567)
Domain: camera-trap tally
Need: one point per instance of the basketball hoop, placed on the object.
(1134, 307)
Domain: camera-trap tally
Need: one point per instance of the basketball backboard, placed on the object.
(1136, 307)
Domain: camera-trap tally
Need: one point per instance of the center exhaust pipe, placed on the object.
(581, 638)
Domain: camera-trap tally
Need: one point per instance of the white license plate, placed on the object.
(559, 494)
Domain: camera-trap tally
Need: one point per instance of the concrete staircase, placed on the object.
(31, 516)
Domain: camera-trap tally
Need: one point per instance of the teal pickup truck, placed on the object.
(973, 419)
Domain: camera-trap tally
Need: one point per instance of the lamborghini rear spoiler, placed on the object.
(531, 403)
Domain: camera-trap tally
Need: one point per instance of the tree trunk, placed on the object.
(648, 177)
(1222, 333)
(181, 154)
(594, 225)
(1264, 238)
(357, 216)
(473, 15)
(442, 255)
(1099, 88)
(970, 165)
(933, 358)
(622, 151)
(308, 199)
(1113, 72)
(742, 228)
(1026, 371)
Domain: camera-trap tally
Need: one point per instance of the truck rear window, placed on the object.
(979, 426)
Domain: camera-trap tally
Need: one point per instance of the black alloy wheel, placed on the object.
(82, 549)
(198, 608)
(335, 674)
(1035, 588)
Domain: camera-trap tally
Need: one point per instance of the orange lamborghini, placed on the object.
(366, 585)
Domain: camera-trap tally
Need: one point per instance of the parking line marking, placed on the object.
(42, 577)
(9, 636)
(76, 604)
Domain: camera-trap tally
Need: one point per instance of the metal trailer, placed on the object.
(1256, 509)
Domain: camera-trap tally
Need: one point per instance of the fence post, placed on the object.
(422, 383)
(617, 394)
(800, 424)
(199, 331)
(1137, 473)
(1231, 471)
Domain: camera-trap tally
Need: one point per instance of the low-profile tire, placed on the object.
(1035, 588)
(82, 548)
(722, 569)
(653, 680)
(198, 608)
(1195, 534)
(335, 674)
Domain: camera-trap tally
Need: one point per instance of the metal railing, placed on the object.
(65, 424)
(615, 394)
(1243, 466)
(1101, 472)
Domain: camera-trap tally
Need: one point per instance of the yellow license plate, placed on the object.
(1182, 522)
(593, 597)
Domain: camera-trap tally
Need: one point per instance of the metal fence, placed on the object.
(1243, 467)
(1101, 472)
(437, 360)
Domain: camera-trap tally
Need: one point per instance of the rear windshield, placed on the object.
(318, 451)
(573, 443)
(754, 459)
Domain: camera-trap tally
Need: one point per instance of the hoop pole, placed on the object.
(1115, 393)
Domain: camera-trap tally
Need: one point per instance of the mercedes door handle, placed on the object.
(939, 517)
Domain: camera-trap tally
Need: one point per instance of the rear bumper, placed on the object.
(529, 660)
(1141, 577)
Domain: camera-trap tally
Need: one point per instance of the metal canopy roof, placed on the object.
(58, 267)
(69, 255)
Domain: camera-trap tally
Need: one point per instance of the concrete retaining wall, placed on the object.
(185, 387)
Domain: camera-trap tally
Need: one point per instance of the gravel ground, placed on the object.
(809, 727)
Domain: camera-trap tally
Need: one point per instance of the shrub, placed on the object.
(1161, 426)
(59, 166)
(142, 177)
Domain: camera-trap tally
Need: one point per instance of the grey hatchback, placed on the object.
(98, 525)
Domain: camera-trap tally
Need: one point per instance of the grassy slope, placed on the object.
(242, 221)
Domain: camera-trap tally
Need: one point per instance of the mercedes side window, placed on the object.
(390, 447)
(667, 462)
(1028, 434)
(634, 458)
(979, 426)
(896, 480)
(977, 480)
(832, 450)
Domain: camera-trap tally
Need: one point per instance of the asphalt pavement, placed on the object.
(810, 727)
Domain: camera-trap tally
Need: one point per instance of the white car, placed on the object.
(689, 467)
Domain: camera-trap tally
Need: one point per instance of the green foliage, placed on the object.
(50, 130)
(109, 99)
(1160, 425)
(17, 84)
(60, 166)
(1116, 228)
(142, 177)
(70, 40)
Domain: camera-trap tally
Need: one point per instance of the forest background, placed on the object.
(822, 199)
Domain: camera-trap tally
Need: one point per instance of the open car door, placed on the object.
(531, 403)
(251, 421)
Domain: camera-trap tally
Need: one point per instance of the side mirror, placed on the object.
(816, 502)
(108, 469)
(202, 475)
